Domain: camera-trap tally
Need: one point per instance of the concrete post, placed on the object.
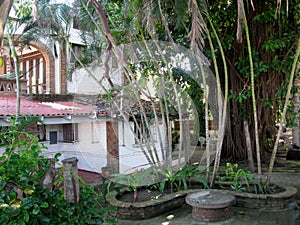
(71, 183)
(48, 179)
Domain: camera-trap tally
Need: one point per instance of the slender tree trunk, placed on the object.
(222, 103)
(287, 97)
(5, 6)
(249, 149)
(17, 74)
(253, 95)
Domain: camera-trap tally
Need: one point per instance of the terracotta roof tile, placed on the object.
(36, 108)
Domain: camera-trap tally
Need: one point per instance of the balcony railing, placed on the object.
(8, 85)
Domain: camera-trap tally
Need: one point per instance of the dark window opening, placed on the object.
(70, 132)
(53, 137)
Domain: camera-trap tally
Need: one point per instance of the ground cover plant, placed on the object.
(151, 184)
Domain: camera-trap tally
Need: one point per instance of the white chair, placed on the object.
(202, 141)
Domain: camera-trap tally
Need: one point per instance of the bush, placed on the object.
(24, 201)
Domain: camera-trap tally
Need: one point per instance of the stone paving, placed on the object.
(238, 216)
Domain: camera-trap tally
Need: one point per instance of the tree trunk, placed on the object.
(287, 97)
(17, 74)
(266, 86)
(249, 150)
(5, 6)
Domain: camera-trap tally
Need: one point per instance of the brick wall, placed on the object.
(49, 62)
(63, 72)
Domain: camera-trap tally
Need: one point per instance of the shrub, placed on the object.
(24, 201)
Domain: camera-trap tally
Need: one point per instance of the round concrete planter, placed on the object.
(210, 205)
(266, 201)
(147, 209)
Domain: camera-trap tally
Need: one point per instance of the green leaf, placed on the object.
(44, 205)
(36, 210)
(44, 220)
(24, 179)
(14, 212)
(21, 222)
(26, 218)
(12, 195)
(4, 219)
(27, 203)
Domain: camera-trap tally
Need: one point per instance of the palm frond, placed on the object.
(197, 32)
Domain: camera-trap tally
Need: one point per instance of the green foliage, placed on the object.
(181, 178)
(133, 181)
(259, 66)
(24, 201)
(23, 9)
(189, 173)
(171, 177)
(159, 179)
(21, 162)
(241, 180)
(43, 206)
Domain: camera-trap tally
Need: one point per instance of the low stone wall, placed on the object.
(147, 209)
(266, 201)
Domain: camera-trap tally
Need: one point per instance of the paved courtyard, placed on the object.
(183, 216)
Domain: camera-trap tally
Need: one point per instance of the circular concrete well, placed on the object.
(210, 205)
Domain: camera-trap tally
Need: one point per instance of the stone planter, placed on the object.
(147, 209)
(151, 208)
(274, 201)
(266, 201)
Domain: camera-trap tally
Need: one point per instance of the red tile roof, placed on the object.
(36, 108)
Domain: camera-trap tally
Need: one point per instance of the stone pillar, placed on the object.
(71, 183)
(48, 179)
(112, 142)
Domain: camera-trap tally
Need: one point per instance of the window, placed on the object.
(70, 132)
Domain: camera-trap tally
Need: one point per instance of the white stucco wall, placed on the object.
(57, 68)
(85, 83)
(131, 154)
(90, 148)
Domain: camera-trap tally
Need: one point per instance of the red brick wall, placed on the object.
(63, 73)
(50, 65)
